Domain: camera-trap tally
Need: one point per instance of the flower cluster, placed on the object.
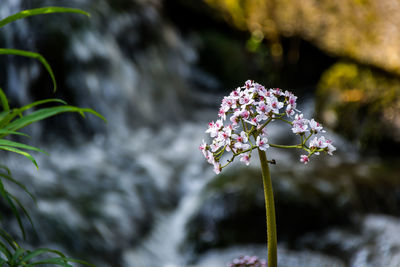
(243, 117)
(247, 261)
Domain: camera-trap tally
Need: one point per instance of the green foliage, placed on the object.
(11, 122)
(361, 103)
(4, 51)
(40, 11)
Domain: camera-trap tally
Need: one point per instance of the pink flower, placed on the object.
(274, 104)
(259, 89)
(251, 108)
(215, 145)
(246, 99)
(244, 113)
(318, 142)
(234, 119)
(262, 143)
(203, 148)
(304, 159)
(235, 94)
(248, 84)
(262, 111)
(213, 128)
(329, 147)
(299, 124)
(241, 140)
(322, 143)
(217, 167)
(210, 157)
(228, 103)
(222, 114)
(252, 121)
(315, 126)
(245, 158)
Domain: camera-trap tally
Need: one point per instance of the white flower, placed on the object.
(329, 147)
(299, 124)
(213, 128)
(215, 145)
(246, 99)
(262, 143)
(318, 142)
(245, 158)
(248, 84)
(315, 126)
(262, 111)
(203, 148)
(249, 107)
(222, 114)
(259, 89)
(244, 113)
(274, 104)
(241, 140)
(217, 167)
(252, 121)
(210, 157)
(235, 94)
(304, 159)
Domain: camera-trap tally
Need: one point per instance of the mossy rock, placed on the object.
(361, 103)
(307, 200)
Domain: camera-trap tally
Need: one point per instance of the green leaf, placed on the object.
(18, 151)
(7, 237)
(6, 252)
(5, 194)
(40, 102)
(4, 101)
(55, 261)
(5, 168)
(4, 142)
(6, 132)
(40, 251)
(17, 254)
(7, 116)
(81, 262)
(21, 185)
(39, 11)
(17, 52)
(46, 113)
(24, 211)
(62, 260)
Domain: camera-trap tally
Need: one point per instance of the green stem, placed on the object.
(270, 210)
(285, 146)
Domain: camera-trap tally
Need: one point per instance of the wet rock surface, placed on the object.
(360, 103)
(308, 203)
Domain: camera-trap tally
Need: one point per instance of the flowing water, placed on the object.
(124, 193)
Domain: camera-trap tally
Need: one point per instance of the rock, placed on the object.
(361, 103)
(375, 242)
(366, 31)
(286, 258)
(308, 200)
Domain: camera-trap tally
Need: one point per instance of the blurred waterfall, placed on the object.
(101, 199)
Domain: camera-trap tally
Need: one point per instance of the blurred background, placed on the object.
(136, 191)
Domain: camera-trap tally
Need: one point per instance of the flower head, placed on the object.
(241, 127)
(304, 159)
(247, 261)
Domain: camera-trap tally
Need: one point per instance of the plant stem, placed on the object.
(270, 210)
(285, 146)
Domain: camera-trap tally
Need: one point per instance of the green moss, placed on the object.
(360, 102)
